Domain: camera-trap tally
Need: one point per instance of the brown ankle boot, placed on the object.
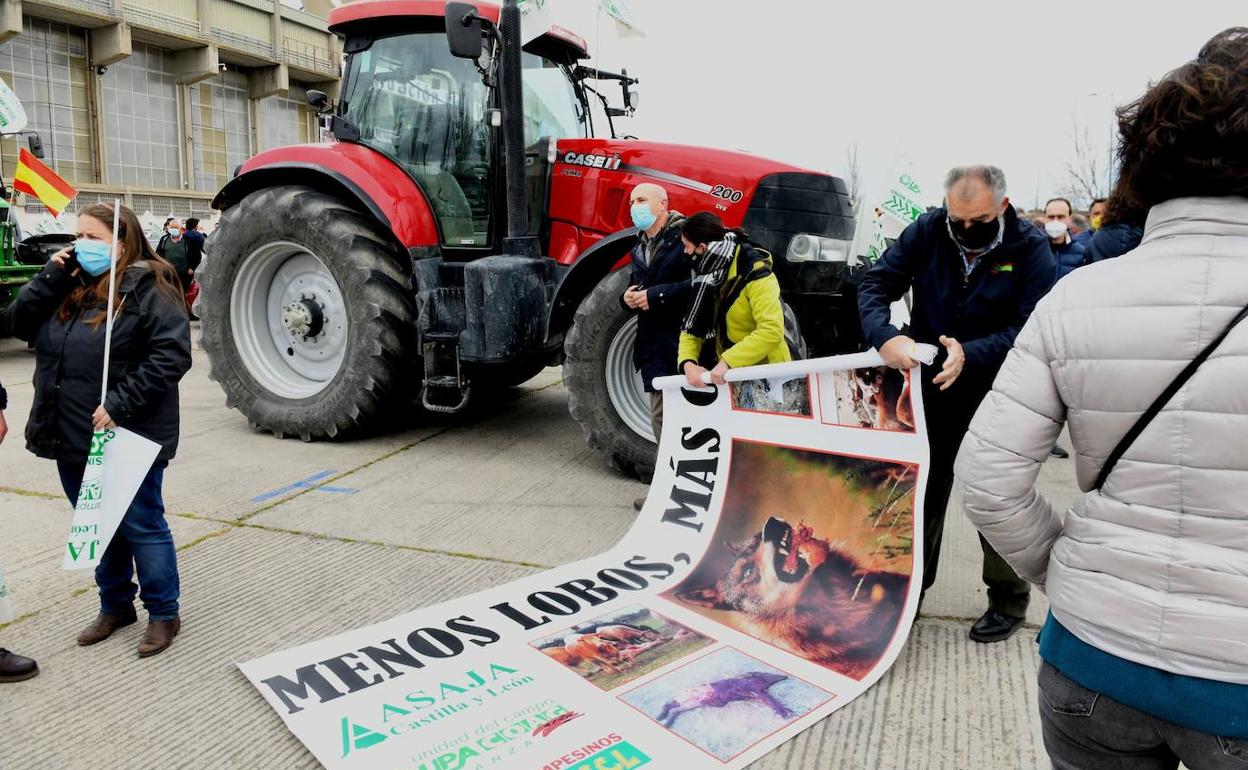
(159, 636)
(103, 627)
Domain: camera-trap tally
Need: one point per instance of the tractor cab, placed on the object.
(406, 95)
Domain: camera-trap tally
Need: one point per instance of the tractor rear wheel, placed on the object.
(308, 316)
(605, 393)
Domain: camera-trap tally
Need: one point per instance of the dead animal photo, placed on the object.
(813, 554)
(615, 649)
(877, 398)
(725, 702)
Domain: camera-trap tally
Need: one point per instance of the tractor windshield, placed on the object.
(423, 107)
(551, 109)
(414, 101)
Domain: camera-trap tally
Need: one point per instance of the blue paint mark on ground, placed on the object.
(308, 483)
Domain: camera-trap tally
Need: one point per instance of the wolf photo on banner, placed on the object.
(813, 554)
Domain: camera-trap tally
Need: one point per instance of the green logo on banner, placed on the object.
(621, 756)
(358, 737)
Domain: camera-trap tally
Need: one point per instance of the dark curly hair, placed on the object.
(1188, 134)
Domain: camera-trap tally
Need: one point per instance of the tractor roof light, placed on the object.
(817, 248)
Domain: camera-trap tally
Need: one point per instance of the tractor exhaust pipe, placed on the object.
(511, 93)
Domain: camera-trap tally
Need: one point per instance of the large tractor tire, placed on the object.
(308, 316)
(606, 395)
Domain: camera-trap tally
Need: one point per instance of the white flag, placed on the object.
(12, 114)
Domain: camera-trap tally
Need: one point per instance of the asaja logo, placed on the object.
(1003, 267)
(358, 737)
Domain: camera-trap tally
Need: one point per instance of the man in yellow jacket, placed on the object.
(734, 304)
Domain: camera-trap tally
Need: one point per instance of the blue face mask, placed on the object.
(93, 256)
(643, 217)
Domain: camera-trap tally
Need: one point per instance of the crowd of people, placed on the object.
(1124, 329)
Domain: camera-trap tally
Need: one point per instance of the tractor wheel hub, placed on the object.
(303, 318)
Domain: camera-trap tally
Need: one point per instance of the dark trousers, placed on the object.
(1084, 730)
(947, 423)
(143, 543)
(656, 413)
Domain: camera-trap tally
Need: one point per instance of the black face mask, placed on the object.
(975, 236)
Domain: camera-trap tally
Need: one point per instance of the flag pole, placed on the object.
(112, 279)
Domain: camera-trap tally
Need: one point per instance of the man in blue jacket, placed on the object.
(658, 292)
(1067, 250)
(976, 271)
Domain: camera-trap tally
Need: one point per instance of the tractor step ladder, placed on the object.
(444, 390)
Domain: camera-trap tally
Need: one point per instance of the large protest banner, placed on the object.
(766, 583)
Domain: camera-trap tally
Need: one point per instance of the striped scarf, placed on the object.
(710, 271)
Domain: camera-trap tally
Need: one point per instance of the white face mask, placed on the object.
(1056, 229)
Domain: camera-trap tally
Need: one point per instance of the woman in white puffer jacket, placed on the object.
(1146, 647)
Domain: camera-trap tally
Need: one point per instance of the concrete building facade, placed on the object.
(159, 100)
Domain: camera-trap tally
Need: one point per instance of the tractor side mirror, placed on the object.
(319, 101)
(464, 30)
(35, 144)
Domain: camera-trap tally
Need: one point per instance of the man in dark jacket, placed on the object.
(658, 292)
(13, 667)
(1068, 251)
(976, 271)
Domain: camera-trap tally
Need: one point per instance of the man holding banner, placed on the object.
(112, 341)
(977, 271)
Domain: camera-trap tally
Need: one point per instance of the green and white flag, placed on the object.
(118, 463)
(116, 466)
(12, 114)
(622, 14)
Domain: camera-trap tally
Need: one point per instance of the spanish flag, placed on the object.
(33, 177)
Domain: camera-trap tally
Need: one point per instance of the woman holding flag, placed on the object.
(63, 311)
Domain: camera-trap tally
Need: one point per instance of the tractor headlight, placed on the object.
(817, 248)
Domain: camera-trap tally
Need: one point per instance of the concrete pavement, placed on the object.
(270, 560)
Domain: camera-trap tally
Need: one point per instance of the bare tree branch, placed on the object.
(1086, 174)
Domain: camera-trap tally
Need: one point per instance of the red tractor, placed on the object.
(463, 229)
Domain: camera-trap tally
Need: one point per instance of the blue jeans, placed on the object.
(1084, 730)
(143, 542)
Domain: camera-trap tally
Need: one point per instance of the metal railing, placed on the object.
(99, 7)
(244, 42)
(307, 56)
(145, 17)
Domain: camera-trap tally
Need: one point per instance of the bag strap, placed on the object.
(1155, 408)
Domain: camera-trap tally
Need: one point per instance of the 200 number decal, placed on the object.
(727, 193)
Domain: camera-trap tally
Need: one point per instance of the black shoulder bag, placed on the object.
(1155, 408)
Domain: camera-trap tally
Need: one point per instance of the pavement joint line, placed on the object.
(331, 479)
(239, 524)
(30, 493)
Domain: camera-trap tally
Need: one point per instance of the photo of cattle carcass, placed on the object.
(615, 649)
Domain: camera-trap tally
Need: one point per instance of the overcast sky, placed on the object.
(942, 83)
